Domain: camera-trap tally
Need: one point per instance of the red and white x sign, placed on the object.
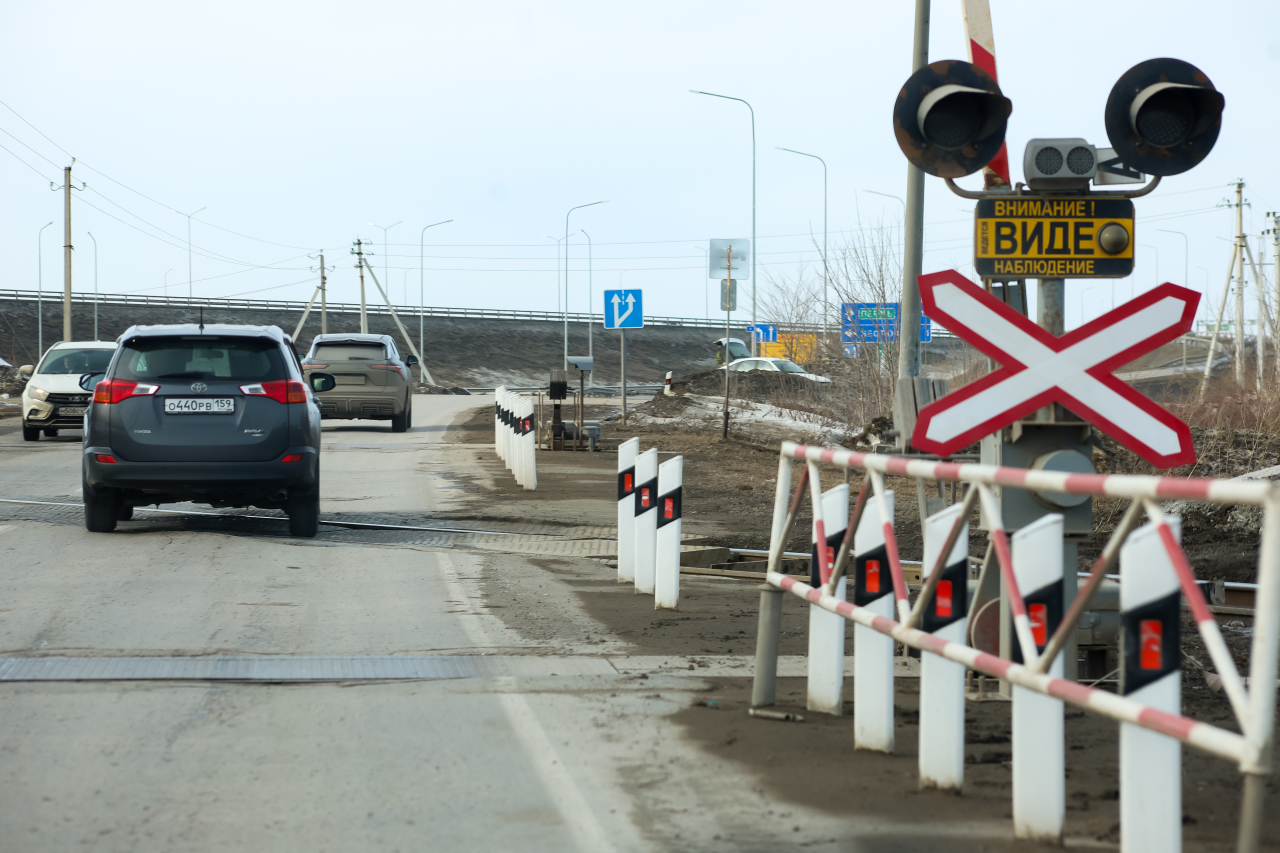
(1039, 369)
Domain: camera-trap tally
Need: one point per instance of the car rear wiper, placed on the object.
(190, 374)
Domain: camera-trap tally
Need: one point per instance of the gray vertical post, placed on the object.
(1240, 283)
(324, 303)
(66, 255)
(764, 687)
(622, 337)
(913, 254)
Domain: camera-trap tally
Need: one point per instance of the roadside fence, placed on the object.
(1155, 577)
(650, 506)
(514, 437)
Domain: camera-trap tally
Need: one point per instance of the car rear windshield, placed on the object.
(349, 352)
(224, 359)
(77, 361)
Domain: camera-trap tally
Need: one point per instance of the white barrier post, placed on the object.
(627, 509)
(826, 629)
(666, 388)
(529, 440)
(1039, 765)
(646, 499)
(498, 425)
(942, 681)
(666, 583)
(873, 651)
(1150, 655)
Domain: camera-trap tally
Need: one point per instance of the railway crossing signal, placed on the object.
(1040, 369)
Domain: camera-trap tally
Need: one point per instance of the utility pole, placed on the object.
(913, 255)
(1239, 283)
(324, 300)
(358, 251)
(66, 254)
(1274, 231)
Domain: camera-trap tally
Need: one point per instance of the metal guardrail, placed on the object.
(406, 311)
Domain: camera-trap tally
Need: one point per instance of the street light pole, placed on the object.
(40, 294)
(558, 240)
(188, 215)
(385, 276)
(591, 321)
(422, 368)
(95, 284)
(825, 275)
(754, 248)
(566, 275)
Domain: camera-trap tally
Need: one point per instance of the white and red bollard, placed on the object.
(527, 471)
(941, 680)
(1150, 660)
(646, 525)
(666, 388)
(826, 629)
(499, 420)
(627, 452)
(514, 439)
(1039, 764)
(873, 651)
(666, 585)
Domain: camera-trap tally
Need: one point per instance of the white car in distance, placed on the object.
(53, 398)
(774, 365)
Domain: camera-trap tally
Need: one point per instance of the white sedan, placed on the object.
(774, 365)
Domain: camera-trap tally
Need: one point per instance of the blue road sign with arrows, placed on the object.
(623, 309)
(766, 333)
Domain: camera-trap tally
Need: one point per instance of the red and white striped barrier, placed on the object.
(627, 452)
(1154, 571)
(514, 439)
(666, 583)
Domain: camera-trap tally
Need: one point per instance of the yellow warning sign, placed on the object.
(1054, 238)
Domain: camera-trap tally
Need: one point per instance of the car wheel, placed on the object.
(400, 422)
(30, 433)
(51, 433)
(99, 509)
(304, 513)
(124, 511)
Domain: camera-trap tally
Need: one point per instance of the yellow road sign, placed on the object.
(1053, 238)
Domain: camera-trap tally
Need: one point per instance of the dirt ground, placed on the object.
(728, 500)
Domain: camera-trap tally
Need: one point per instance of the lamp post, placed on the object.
(566, 275)
(385, 276)
(422, 368)
(558, 241)
(1186, 245)
(188, 215)
(754, 248)
(591, 312)
(706, 269)
(95, 285)
(824, 235)
(887, 195)
(1157, 251)
(40, 293)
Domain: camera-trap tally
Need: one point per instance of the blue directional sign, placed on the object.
(875, 323)
(766, 333)
(623, 309)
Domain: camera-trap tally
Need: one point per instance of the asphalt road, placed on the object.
(564, 744)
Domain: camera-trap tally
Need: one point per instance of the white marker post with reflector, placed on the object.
(826, 629)
(627, 509)
(499, 395)
(941, 681)
(646, 502)
(1039, 769)
(529, 445)
(666, 584)
(1150, 657)
(873, 651)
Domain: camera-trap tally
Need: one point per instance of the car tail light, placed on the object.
(394, 367)
(102, 457)
(116, 390)
(292, 457)
(280, 390)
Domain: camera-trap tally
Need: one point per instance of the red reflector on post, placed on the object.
(292, 457)
(1150, 644)
(103, 457)
(626, 482)
(669, 507)
(644, 497)
(1038, 616)
(873, 576)
(943, 603)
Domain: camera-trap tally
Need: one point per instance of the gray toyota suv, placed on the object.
(216, 414)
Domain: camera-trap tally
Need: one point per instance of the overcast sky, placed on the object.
(297, 124)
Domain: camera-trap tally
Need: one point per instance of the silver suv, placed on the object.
(373, 381)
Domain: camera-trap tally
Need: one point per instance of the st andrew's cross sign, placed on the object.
(1038, 369)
